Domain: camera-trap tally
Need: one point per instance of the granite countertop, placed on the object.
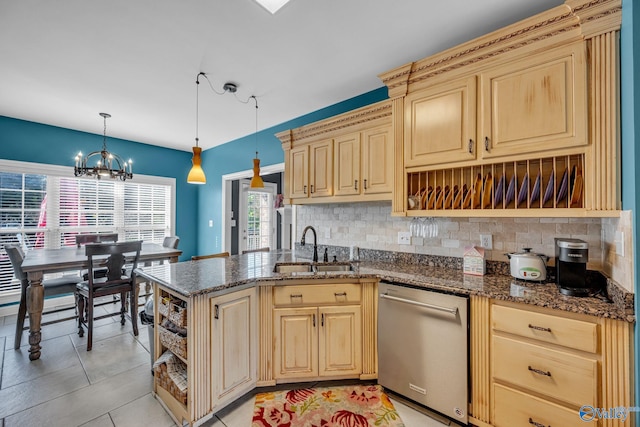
(219, 275)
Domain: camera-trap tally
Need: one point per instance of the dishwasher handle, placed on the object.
(453, 311)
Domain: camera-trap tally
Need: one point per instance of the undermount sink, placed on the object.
(306, 267)
(333, 267)
(301, 267)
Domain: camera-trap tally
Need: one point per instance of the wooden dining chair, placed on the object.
(248, 251)
(220, 255)
(84, 239)
(52, 287)
(115, 282)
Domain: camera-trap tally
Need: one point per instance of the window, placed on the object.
(47, 210)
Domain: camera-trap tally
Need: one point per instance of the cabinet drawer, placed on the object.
(571, 333)
(347, 293)
(561, 375)
(516, 409)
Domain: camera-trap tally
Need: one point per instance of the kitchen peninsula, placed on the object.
(232, 343)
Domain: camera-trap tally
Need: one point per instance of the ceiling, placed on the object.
(63, 62)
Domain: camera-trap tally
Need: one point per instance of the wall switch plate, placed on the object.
(210, 223)
(404, 238)
(486, 241)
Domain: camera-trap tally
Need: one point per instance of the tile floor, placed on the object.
(110, 386)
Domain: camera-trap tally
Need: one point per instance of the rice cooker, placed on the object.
(527, 265)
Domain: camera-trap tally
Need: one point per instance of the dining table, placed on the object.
(38, 262)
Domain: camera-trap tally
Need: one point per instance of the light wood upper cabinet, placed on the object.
(377, 160)
(233, 345)
(348, 158)
(535, 104)
(311, 170)
(321, 169)
(363, 162)
(347, 164)
(299, 172)
(440, 123)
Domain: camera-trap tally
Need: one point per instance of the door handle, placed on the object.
(355, 185)
(486, 143)
(314, 320)
(365, 184)
(322, 320)
(470, 146)
(312, 191)
(304, 189)
(453, 311)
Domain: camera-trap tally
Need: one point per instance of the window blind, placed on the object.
(48, 210)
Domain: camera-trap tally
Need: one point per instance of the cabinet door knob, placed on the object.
(486, 143)
(471, 146)
(540, 372)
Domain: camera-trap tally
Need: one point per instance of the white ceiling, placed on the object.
(62, 62)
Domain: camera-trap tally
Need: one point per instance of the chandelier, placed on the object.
(105, 164)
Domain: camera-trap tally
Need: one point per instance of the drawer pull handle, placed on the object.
(539, 328)
(340, 294)
(295, 295)
(536, 424)
(540, 372)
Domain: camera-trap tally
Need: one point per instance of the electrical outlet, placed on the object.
(486, 241)
(404, 238)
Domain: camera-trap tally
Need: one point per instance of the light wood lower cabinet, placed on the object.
(543, 365)
(322, 331)
(318, 342)
(233, 345)
(296, 342)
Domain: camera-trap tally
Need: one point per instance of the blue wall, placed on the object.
(630, 98)
(236, 156)
(34, 142)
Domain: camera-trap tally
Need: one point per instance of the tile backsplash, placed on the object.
(370, 225)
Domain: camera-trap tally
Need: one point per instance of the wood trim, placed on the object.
(369, 330)
(399, 177)
(265, 331)
(479, 357)
(368, 116)
(597, 16)
(602, 172)
(617, 369)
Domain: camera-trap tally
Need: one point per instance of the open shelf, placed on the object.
(542, 183)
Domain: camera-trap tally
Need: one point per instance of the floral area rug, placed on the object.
(346, 406)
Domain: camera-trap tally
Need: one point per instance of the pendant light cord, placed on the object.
(256, 134)
(198, 101)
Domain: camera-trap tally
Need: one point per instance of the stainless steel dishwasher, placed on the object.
(423, 348)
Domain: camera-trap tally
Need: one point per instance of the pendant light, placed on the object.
(256, 181)
(108, 165)
(196, 174)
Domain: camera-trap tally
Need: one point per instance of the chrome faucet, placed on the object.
(315, 241)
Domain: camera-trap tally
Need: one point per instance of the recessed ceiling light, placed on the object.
(272, 5)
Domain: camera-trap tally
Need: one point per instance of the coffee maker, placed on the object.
(571, 267)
